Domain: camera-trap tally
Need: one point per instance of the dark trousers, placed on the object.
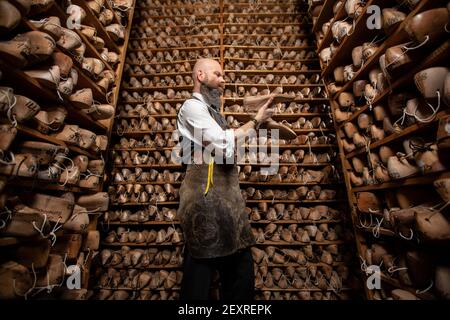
(236, 276)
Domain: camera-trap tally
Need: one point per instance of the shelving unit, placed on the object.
(80, 245)
(374, 229)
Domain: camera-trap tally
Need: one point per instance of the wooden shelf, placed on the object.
(26, 85)
(37, 135)
(84, 79)
(280, 116)
(313, 264)
(396, 136)
(167, 203)
(329, 36)
(37, 184)
(300, 244)
(266, 24)
(132, 244)
(359, 32)
(192, 62)
(295, 146)
(298, 184)
(233, 86)
(139, 133)
(230, 100)
(398, 284)
(137, 289)
(90, 49)
(140, 149)
(144, 183)
(411, 181)
(301, 201)
(92, 20)
(271, 35)
(164, 74)
(147, 223)
(151, 115)
(120, 69)
(397, 37)
(294, 221)
(274, 72)
(163, 17)
(150, 267)
(302, 290)
(325, 15)
(262, 48)
(265, 14)
(296, 100)
(152, 166)
(436, 57)
(311, 61)
(147, 89)
(306, 165)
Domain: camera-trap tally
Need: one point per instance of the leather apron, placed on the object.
(215, 224)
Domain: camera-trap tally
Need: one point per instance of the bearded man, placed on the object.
(212, 210)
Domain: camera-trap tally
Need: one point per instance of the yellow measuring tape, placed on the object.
(210, 181)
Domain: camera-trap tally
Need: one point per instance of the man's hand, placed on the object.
(264, 112)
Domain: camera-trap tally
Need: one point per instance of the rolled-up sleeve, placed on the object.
(197, 125)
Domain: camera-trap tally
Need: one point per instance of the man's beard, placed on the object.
(211, 95)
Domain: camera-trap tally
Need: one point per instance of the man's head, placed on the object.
(208, 80)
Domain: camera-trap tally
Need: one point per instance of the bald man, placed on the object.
(212, 211)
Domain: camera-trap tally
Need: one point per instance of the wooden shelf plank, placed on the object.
(167, 166)
(37, 184)
(295, 221)
(167, 203)
(137, 289)
(150, 267)
(282, 116)
(310, 61)
(396, 136)
(325, 15)
(237, 72)
(329, 36)
(261, 48)
(132, 244)
(226, 36)
(314, 61)
(302, 290)
(147, 223)
(149, 182)
(37, 135)
(286, 184)
(298, 131)
(230, 100)
(412, 181)
(300, 244)
(243, 115)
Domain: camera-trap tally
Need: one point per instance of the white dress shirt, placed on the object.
(196, 124)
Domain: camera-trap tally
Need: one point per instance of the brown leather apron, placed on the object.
(215, 224)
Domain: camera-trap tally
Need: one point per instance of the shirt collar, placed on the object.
(199, 96)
